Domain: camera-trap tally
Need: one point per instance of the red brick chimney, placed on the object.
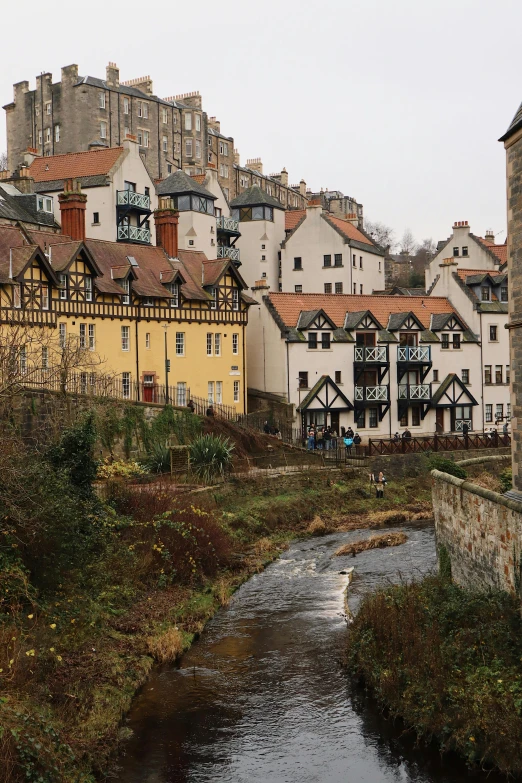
(72, 208)
(166, 220)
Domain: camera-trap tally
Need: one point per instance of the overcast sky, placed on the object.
(398, 103)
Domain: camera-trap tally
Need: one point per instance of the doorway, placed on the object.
(439, 421)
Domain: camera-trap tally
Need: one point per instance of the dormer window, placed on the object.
(235, 299)
(485, 293)
(125, 284)
(195, 203)
(312, 341)
(503, 293)
(45, 204)
(63, 286)
(148, 301)
(464, 251)
(455, 252)
(213, 304)
(174, 290)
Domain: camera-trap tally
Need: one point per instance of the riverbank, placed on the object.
(76, 652)
(448, 662)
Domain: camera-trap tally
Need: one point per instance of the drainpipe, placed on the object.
(137, 364)
(287, 370)
(481, 376)
(244, 373)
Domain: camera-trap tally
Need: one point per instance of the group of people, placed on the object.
(271, 429)
(406, 435)
(324, 438)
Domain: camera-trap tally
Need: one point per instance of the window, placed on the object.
(198, 148)
(125, 105)
(57, 133)
(403, 421)
(88, 288)
(338, 288)
(303, 380)
(140, 109)
(508, 410)
(499, 412)
(455, 252)
(485, 293)
(188, 121)
(40, 137)
(219, 391)
(147, 301)
(489, 412)
(103, 130)
(198, 122)
(373, 418)
(456, 341)
(45, 358)
(48, 108)
(47, 135)
(338, 259)
(235, 344)
(101, 96)
(327, 260)
(360, 262)
(125, 284)
(236, 391)
(23, 359)
(298, 263)
(328, 288)
(298, 289)
(217, 344)
(92, 339)
(361, 419)
(415, 416)
(465, 250)
(96, 218)
(498, 373)
(465, 376)
(62, 334)
(235, 299)
(83, 336)
(487, 373)
(165, 143)
(180, 343)
(173, 288)
(209, 344)
(188, 148)
(263, 258)
(145, 138)
(325, 340)
(338, 376)
(45, 296)
(445, 341)
(354, 261)
(503, 293)
(45, 203)
(213, 303)
(360, 288)
(125, 385)
(312, 341)
(165, 115)
(210, 391)
(147, 340)
(493, 334)
(435, 375)
(181, 393)
(355, 288)
(125, 338)
(126, 131)
(508, 373)
(63, 285)
(379, 266)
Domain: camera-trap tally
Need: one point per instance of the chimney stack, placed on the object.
(490, 236)
(284, 177)
(112, 75)
(302, 188)
(166, 220)
(72, 209)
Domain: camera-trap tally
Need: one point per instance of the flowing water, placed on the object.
(262, 696)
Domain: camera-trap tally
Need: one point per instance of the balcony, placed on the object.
(134, 234)
(365, 354)
(228, 252)
(228, 225)
(415, 392)
(128, 198)
(371, 394)
(415, 354)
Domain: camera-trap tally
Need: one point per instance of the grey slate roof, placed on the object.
(427, 336)
(444, 386)
(23, 207)
(341, 336)
(124, 89)
(253, 197)
(306, 317)
(96, 181)
(439, 320)
(516, 123)
(178, 182)
(384, 336)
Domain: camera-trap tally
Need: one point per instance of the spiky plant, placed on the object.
(210, 457)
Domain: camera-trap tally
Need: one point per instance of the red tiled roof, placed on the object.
(347, 228)
(292, 218)
(200, 178)
(499, 250)
(75, 164)
(464, 273)
(336, 306)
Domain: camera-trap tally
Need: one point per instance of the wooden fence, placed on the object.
(486, 440)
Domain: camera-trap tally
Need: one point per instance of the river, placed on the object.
(262, 696)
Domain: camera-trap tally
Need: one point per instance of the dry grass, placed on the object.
(318, 527)
(374, 542)
(263, 546)
(487, 480)
(222, 590)
(166, 647)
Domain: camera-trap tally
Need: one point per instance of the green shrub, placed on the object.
(210, 457)
(447, 466)
(158, 458)
(444, 563)
(506, 479)
(73, 455)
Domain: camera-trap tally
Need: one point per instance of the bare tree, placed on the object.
(381, 234)
(3, 161)
(408, 244)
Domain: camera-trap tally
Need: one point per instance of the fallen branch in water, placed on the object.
(375, 542)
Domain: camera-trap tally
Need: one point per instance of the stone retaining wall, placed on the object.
(481, 530)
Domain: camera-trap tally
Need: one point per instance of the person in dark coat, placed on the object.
(211, 411)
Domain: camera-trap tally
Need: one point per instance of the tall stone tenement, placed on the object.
(513, 144)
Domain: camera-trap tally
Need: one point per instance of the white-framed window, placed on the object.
(126, 132)
(210, 346)
(499, 411)
(45, 358)
(45, 296)
(147, 340)
(101, 96)
(236, 391)
(88, 288)
(219, 391)
(125, 338)
(145, 111)
(126, 104)
(47, 135)
(210, 391)
(174, 290)
(92, 337)
(188, 148)
(125, 284)
(103, 129)
(62, 334)
(48, 109)
(140, 108)
(198, 122)
(235, 299)
(83, 336)
(63, 285)
(84, 380)
(188, 120)
(181, 393)
(217, 344)
(198, 148)
(165, 143)
(165, 115)
(213, 303)
(147, 301)
(489, 412)
(226, 193)
(40, 137)
(57, 133)
(235, 344)
(180, 343)
(140, 137)
(23, 359)
(145, 138)
(45, 203)
(209, 156)
(125, 385)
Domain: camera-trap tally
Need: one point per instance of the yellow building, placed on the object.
(127, 320)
